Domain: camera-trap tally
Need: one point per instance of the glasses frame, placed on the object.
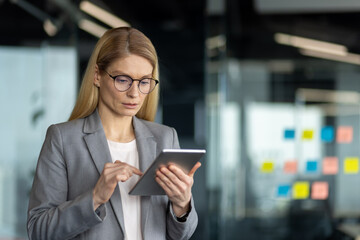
(132, 81)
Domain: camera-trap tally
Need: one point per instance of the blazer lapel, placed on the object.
(100, 153)
(146, 146)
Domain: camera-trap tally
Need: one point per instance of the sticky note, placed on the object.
(300, 190)
(344, 134)
(351, 165)
(311, 166)
(267, 167)
(307, 134)
(330, 165)
(319, 190)
(283, 190)
(289, 134)
(327, 134)
(290, 167)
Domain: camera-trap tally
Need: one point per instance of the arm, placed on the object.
(50, 214)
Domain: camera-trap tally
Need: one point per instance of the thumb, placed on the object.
(193, 170)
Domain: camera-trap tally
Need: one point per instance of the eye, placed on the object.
(123, 79)
(145, 81)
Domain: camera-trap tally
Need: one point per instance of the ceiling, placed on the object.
(177, 29)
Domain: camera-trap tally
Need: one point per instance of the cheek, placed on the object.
(143, 99)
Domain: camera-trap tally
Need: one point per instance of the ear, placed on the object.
(97, 76)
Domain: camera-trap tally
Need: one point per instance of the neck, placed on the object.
(117, 128)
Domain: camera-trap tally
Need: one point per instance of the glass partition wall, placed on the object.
(283, 155)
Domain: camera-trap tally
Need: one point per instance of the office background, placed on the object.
(269, 87)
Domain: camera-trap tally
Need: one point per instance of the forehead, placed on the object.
(132, 65)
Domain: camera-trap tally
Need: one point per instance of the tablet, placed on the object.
(183, 158)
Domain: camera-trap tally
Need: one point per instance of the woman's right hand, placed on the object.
(109, 178)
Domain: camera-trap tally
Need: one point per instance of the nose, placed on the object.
(133, 90)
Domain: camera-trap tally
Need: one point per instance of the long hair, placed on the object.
(114, 44)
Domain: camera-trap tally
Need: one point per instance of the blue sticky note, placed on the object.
(311, 166)
(283, 190)
(327, 134)
(289, 133)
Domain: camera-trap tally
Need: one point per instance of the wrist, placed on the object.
(182, 217)
(96, 203)
(181, 210)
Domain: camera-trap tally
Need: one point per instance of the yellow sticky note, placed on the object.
(301, 190)
(267, 167)
(351, 165)
(308, 134)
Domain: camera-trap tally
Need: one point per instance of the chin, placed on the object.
(127, 113)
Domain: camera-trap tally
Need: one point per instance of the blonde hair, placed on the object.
(114, 44)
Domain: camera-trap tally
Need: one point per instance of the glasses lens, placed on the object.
(122, 83)
(147, 85)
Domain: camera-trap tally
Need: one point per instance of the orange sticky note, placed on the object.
(344, 134)
(267, 167)
(330, 165)
(300, 190)
(308, 134)
(320, 190)
(290, 167)
(351, 165)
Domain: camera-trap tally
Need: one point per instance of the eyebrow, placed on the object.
(117, 73)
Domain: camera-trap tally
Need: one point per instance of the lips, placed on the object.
(130, 105)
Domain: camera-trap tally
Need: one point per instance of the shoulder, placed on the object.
(66, 128)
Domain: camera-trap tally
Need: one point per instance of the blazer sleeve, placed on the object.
(50, 214)
(175, 229)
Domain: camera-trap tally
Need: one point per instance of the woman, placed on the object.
(88, 164)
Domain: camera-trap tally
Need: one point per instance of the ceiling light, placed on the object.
(349, 58)
(310, 44)
(102, 15)
(328, 96)
(50, 28)
(91, 27)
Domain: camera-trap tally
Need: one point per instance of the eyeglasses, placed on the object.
(123, 83)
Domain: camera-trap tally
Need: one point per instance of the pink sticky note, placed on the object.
(290, 167)
(330, 165)
(344, 134)
(320, 190)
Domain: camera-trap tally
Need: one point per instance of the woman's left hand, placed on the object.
(177, 186)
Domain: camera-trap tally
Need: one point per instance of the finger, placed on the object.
(162, 184)
(168, 191)
(136, 171)
(122, 177)
(119, 164)
(176, 176)
(193, 170)
(184, 178)
(114, 168)
(164, 179)
(110, 165)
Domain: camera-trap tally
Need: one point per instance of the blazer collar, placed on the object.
(92, 123)
(146, 146)
(141, 130)
(99, 150)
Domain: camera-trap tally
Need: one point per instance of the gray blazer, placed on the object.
(69, 165)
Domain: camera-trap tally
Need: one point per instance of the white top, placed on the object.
(127, 152)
